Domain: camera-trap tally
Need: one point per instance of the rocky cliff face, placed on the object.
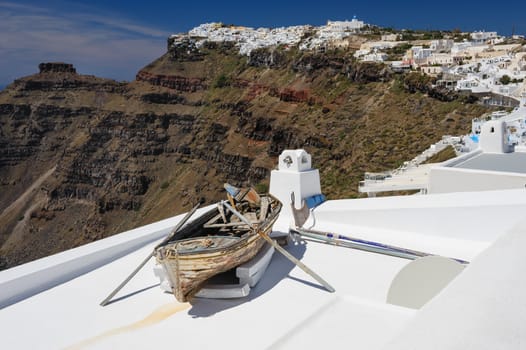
(173, 82)
(83, 157)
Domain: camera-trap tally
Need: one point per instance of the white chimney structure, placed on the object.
(493, 137)
(293, 176)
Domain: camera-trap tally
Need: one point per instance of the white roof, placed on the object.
(288, 309)
(483, 308)
(514, 162)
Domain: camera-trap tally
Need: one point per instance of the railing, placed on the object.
(374, 178)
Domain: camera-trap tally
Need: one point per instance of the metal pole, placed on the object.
(356, 243)
(359, 246)
(174, 231)
(280, 249)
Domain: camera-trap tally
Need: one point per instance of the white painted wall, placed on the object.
(294, 175)
(493, 137)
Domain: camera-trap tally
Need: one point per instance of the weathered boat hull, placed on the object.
(194, 258)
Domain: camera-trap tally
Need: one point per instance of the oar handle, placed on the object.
(116, 290)
(170, 236)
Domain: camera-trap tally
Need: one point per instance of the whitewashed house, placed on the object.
(442, 45)
(483, 37)
(444, 59)
(390, 37)
(375, 57)
(431, 70)
(460, 48)
(346, 26)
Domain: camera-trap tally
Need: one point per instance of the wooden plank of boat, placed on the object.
(264, 208)
(221, 210)
(229, 224)
(205, 243)
(212, 223)
(189, 270)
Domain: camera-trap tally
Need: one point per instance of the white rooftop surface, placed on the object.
(483, 308)
(288, 309)
(514, 162)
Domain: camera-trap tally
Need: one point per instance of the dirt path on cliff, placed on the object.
(17, 234)
(15, 208)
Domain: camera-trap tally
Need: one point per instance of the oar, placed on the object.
(361, 244)
(174, 231)
(280, 249)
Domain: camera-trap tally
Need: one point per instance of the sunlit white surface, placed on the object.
(288, 309)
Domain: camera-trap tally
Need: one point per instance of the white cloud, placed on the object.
(96, 44)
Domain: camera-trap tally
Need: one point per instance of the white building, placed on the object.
(486, 153)
(375, 57)
(420, 53)
(493, 166)
(475, 84)
(361, 53)
(459, 48)
(346, 26)
(442, 45)
(389, 37)
(248, 39)
(431, 70)
(443, 59)
(482, 37)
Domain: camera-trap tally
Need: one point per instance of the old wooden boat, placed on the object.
(217, 241)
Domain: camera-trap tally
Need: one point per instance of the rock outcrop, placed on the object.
(368, 72)
(56, 67)
(55, 77)
(267, 57)
(297, 96)
(414, 82)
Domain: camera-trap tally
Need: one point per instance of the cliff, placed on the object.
(82, 157)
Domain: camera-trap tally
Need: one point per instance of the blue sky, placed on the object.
(116, 38)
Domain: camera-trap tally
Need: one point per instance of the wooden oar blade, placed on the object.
(252, 197)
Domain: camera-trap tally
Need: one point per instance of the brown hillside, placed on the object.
(83, 158)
